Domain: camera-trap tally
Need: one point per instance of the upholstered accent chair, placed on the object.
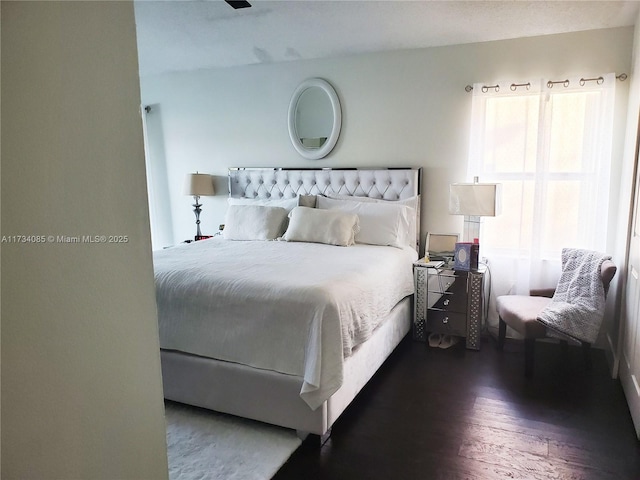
(520, 312)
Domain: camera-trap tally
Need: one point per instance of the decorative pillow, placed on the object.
(332, 227)
(254, 222)
(411, 202)
(286, 203)
(307, 201)
(380, 223)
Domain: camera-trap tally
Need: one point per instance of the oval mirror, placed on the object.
(315, 118)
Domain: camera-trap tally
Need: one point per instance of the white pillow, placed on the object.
(307, 201)
(321, 226)
(411, 202)
(286, 203)
(380, 223)
(254, 222)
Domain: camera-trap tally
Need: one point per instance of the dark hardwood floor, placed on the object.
(460, 414)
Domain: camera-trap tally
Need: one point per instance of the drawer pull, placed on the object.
(445, 320)
(446, 302)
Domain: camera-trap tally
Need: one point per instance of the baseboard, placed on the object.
(631, 393)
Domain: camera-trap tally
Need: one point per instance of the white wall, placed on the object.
(403, 108)
(81, 383)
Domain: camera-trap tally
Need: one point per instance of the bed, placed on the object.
(288, 328)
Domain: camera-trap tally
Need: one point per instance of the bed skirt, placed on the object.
(273, 397)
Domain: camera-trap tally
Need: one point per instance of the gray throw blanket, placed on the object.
(577, 307)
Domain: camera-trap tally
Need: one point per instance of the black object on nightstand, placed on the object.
(198, 237)
(448, 301)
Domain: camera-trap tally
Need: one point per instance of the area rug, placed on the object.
(203, 445)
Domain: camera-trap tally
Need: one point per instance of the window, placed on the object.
(549, 145)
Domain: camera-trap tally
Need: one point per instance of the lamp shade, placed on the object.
(475, 199)
(198, 184)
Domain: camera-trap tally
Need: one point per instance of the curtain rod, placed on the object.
(514, 86)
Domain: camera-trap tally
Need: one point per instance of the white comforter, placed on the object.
(294, 308)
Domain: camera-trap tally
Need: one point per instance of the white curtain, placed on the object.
(157, 182)
(549, 145)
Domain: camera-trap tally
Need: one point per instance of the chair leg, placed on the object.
(502, 333)
(529, 354)
(586, 353)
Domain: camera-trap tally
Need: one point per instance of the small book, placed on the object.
(434, 264)
(431, 264)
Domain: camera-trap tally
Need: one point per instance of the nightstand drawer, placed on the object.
(450, 292)
(442, 321)
(455, 301)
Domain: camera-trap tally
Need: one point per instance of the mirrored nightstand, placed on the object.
(448, 301)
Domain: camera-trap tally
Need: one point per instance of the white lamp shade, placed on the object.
(198, 184)
(475, 199)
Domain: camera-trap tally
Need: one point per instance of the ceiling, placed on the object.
(182, 35)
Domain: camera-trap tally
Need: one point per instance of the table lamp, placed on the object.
(197, 185)
(474, 201)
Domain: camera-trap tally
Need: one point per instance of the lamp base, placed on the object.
(197, 211)
(471, 232)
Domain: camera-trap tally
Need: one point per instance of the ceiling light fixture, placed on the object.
(236, 4)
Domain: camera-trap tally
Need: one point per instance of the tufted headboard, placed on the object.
(276, 183)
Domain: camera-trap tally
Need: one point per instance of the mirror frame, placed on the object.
(315, 154)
